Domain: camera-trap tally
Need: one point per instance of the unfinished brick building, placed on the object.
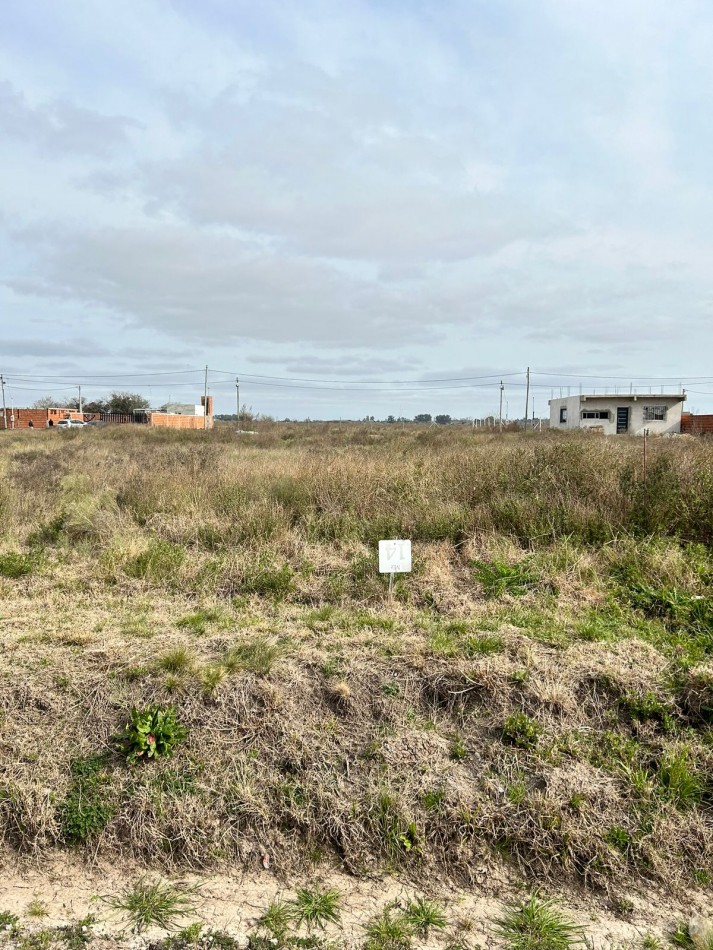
(155, 418)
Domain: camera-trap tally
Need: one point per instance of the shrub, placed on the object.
(152, 733)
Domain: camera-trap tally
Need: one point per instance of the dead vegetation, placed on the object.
(540, 693)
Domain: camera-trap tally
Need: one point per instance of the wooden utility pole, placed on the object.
(205, 399)
(527, 398)
(80, 398)
(237, 399)
(500, 413)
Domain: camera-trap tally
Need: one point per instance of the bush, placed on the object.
(152, 733)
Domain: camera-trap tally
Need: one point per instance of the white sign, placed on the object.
(394, 557)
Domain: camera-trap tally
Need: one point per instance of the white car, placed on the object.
(70, 424)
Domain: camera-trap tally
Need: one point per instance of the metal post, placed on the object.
(527, 397)
(646, 434)
(500, 416)
(4, 407)
(237, 399)
(391, 587)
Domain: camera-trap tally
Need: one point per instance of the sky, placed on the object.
(358, 208)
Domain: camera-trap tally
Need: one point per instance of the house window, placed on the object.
(595, 413)
(654, 413)
(563, 413)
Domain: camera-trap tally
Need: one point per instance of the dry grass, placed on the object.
(539, 693)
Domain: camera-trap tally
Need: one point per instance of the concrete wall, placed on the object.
(637, 424)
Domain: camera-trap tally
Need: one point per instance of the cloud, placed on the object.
(61, 127)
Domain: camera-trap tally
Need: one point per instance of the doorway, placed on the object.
(622, 420)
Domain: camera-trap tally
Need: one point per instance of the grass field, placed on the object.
(536, 701)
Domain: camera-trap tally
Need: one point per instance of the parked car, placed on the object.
(70, 424)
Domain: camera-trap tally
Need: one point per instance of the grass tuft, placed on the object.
(538, 924)
(154, 903)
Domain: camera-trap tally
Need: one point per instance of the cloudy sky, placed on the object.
(387, 197)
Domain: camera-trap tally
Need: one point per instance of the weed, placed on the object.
(538, 924)
(277, 919)
(678, 779)
(199, 621)
(212, 677)
(148, 903)
(483, 645)
(389, 688)
(151, 733)
(316, 908)
(15, 564)
(159, 563)
(651, 942)
(270, 582)
(423, 915)
(8, 921)
(498, 578)
(86, 809)
(76, 936)
(681, 937)
(521, 731)
(457, 749)
(433, 799)
(36, 908)
(257, 655)
(388, 931)
(398, 836)
(179, 660)
(619, 838)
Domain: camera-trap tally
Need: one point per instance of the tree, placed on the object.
(391, 419)
(423, 417)
(443, 420)
(96, 405)
(126, 402)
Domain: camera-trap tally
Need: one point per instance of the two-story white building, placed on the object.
(609, 414)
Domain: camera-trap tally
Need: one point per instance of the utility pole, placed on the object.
(205, 398)
(527, 397)
(4, 407)
(80, 398)
(500, 412)
(237, 399)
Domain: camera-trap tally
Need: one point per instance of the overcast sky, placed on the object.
(391, 190)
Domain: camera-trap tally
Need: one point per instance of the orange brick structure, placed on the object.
(48, 418)
(696, 424)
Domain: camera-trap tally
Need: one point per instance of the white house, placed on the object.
(610, 414)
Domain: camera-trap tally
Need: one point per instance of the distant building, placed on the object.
(610, 414)
(189, 417)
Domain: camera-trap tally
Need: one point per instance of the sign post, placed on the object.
(394, 558)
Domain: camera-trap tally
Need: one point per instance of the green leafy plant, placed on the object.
(315, 907)
(147, 903)
(423, 915)
(86, 810)
(521, 731)
(538, 924)
(277, 919)
(151, 733)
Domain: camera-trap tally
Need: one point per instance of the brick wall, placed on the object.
(696, 424)
(165, 420)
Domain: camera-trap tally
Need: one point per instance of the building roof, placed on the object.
(634, 396)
